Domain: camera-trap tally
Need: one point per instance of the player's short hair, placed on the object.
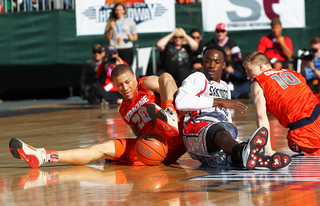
(275, 21)
(216, 47)
(257, 57)
(315, 40)
(120, 69)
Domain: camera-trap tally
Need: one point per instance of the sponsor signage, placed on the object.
(150, 15)
(252, 14)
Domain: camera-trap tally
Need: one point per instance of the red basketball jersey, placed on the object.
(288, 97)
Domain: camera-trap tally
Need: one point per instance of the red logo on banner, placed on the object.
(125, 2)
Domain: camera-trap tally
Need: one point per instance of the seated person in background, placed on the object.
(89, 84)
(110, 92)
(310, 67)
(176, 56)
(223, 40)
(197, 55)
(235, 73)
(276, 46)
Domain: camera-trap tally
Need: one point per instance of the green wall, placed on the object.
(41, 49)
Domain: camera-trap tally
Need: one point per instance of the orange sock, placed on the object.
(52, 156)
(168, 103)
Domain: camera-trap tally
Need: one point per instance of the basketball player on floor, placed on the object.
(285, 94)
(133, 110)
(208, 127)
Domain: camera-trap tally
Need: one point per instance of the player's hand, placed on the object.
(230, 104)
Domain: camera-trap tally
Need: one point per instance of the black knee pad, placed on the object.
(210, 136)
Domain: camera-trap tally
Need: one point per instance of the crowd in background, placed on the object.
(181, 55)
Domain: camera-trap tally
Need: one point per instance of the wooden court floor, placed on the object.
(66, 126)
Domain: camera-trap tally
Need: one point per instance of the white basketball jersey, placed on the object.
(201, 87)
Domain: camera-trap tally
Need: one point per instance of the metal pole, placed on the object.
(154, 60)
(137, 61)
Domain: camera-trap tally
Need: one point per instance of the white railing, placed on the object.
(11, 6)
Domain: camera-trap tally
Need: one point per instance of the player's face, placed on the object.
(213, 63)
(252, 71)
(126, 84)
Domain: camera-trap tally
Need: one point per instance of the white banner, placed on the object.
(252, 14)
(150, 15)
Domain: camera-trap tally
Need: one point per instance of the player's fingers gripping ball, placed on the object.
(151, 149)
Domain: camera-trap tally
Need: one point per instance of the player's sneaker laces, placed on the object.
(253, 159)
(33, 156)
(166, 117)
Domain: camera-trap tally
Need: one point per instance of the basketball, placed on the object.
(151, 149)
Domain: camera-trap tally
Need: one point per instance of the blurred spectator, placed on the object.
(235, 73)
(69, 5)
(223, 40)
(110, 93)
(310, 67)
(197, 55)
(276, 46)
(121, 32)
(89, 82)
(187, 1)
(176, 55)
(32, 4)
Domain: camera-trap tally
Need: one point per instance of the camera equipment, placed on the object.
(111, 60)
(308, 54)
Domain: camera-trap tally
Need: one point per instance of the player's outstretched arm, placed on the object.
(231, 104)
(262, 120)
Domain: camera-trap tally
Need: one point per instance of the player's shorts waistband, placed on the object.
(305, 121)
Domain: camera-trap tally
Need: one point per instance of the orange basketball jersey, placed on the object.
(288, 97)
(135, 112)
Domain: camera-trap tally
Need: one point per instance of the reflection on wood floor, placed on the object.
(185, 183)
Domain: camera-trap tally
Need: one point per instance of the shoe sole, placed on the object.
(275, 162)
(155, 113)
(258, 140)
(16, 149)
(158, 115)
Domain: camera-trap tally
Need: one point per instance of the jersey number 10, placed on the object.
(285, 81)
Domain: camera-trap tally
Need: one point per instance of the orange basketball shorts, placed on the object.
(307, 137)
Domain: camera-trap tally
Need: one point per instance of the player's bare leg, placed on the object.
(87, 155)
(35, 157)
